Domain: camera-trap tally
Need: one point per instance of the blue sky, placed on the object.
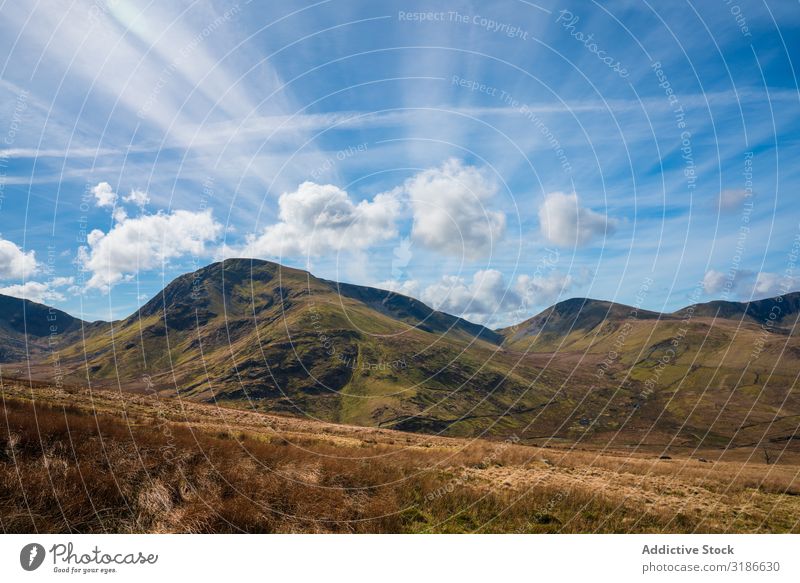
(488, 158)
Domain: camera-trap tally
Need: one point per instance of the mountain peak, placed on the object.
(782, 310)
(574, 315)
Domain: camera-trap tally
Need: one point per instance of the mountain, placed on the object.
(714, 372)
(254, 334)
(570, 322)
(781, 312)
(572, 318)
(28, 328)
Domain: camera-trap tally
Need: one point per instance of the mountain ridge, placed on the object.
(255, 334)
(755, 308)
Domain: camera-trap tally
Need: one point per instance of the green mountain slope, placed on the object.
(256, 334)
(712, 371)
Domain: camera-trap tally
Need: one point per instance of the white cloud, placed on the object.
(137, 197)
(450, 215)
(545, 290)
(316, 219)
(16, 263)
(448, 205)
(104, 195)
(484, 295)
(714, 281)
(490, 297)
(134, 245)
(119, 214)
(774, 284)
(408, 287)
(36, 291)
(746, 284)
(56, 153)
(723, 285)
(566, 223)
(732, 200)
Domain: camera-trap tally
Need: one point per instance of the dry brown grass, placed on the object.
(74, 461)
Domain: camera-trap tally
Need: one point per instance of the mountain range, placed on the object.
(254, 334)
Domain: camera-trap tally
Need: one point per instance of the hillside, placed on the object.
(234, 471)
(712, 372)
(415, 313)
(256, 334)
(571, 320)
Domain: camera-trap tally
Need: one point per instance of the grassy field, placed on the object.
(78, 461)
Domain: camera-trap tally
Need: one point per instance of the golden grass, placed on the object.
(79, 461)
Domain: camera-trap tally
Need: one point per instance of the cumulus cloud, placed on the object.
(738, 282)
(137, 197)
(745, 284)
(447, 203)
(14, 262)
(545, 290)
(40, 292)
(774, 284)
(320, 218)
(732, 200)
(450, 214)
(104, 195)
(408, 287)
(133, 245)
(488, 296)
(564, 222)
(714, 281)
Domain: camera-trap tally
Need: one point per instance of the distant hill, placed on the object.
(573, 316)
(572, 320)
(782, 312)
(26, 328)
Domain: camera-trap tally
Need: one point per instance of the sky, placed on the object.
(490, 159)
